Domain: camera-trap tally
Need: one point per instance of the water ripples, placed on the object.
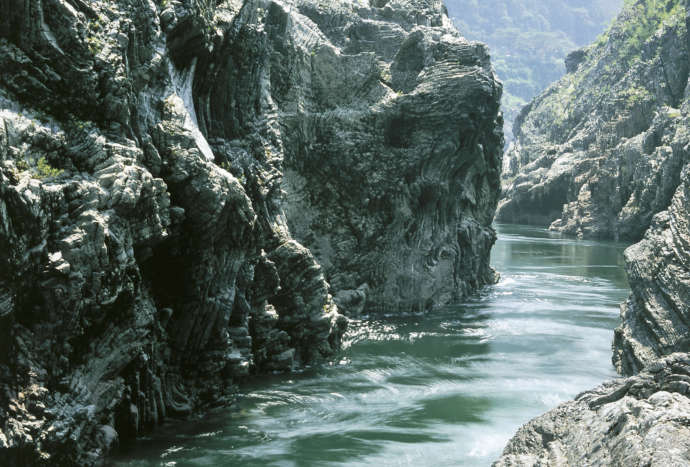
(446, 388)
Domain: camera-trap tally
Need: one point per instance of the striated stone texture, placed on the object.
(643, 158)
(656, 317)
(642, 420)
(154, 157)
(393, 157)
(600, 152)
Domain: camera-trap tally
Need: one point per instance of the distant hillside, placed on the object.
(529, 40)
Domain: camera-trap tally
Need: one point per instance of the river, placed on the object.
(444, 388)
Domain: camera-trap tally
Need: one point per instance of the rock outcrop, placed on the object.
(656, 317)
(393, 159)
(642, 420)
(600, 152)
(154, 157)
(529, 39)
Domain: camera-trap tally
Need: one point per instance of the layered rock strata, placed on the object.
(393, 157)
(154, 157)
(656, 317)
(600, 152)
(641, 420)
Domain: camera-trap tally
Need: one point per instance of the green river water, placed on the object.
(440, 389)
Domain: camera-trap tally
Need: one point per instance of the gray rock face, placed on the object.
(600, 152)
(642, 420)
(153, 157)
(529, 39)
(393, 159)
(656, 317)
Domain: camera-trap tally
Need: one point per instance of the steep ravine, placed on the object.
(529, 40)
(642, 419)
(184, 185)
(600, 152)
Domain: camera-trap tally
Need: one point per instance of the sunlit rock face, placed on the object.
(393, 155)
(641, 420)
(656, 317)
(633, 179)
(600, 152)
(154, 157)
(612, 142)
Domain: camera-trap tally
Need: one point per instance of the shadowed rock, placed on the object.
(154, 157)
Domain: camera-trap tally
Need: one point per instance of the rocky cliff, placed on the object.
(641, 420)
(601, 151)
(529, 40)
(154, 157)
(656, 317)
(393, 157)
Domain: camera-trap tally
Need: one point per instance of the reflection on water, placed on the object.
(446, 388)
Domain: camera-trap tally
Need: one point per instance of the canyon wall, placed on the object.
(393, 157)
(601, 151)
(642, 158)
(181, 180)
(529, 40)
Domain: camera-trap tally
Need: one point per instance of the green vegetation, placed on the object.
(529, 39)
(44, 170)
(674, 113)
(615, 81)
(93, 40)
(95, 44)
(22, 165)
(642, 18)
(635, 96)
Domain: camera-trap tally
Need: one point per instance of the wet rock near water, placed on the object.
(641, 420)
(180, 180)
(656, 317)
(628, 177)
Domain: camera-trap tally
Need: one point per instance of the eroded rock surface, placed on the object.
(146, 148)
(634, 176)
(600, 152)
(656, 317)
(393, 158)
(641, 420)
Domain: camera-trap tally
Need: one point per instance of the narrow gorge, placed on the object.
(604, 153)
(192, 191)
(293, 232)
